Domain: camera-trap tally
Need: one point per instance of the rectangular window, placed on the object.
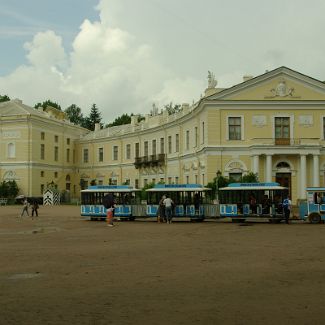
(56, 138)
(234, 124)
(146, 148)
(203, 131)
(169, 180)
(85, 155)
(42, 173)
(162, 181)
(115, 152)
(145, 182)
(282, 128)
(100, 154)
(176, 142)
(176, 180)
(137, 150)
(187, 144)
(42, 135)
(67, 186)
(235, 177)
(154, 147)
(187, 179)
(100, 182)
(42, 151)
(128, 151)
(162, 145)
(68, 155)
(55, 174)
(42, 188)
(56, 153)
(195, 136)
(169, 144)
(68, 141)
(196, 179)
(136, 183)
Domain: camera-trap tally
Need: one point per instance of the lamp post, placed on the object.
(217, 185)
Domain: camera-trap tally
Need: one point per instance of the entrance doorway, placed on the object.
(284, 179)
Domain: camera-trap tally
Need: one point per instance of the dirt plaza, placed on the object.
(59, 269)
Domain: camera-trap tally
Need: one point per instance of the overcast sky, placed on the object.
(125, 55)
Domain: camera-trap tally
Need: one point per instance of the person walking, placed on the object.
(161, 210)
(109, 204)
(168, 203)
(35, 207)
(25, 208)
(287, 208)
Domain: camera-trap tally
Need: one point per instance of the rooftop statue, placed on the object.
(212, 82)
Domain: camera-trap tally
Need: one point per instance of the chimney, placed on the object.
(97, 127)
(247, 77)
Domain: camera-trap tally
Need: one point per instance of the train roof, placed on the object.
(111, 189)
(178, 188)
(273, 186)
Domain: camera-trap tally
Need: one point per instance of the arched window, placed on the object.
(67, 178)
(282, 164)
(11, 150)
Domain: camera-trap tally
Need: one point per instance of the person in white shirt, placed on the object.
(168, 203)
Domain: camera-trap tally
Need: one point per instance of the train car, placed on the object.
(240, 201)
(190, 201)
(313, 210)
(126, 198)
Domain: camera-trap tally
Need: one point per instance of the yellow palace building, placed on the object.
(272, 125)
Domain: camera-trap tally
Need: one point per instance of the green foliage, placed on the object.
(9, 189)
(4, 98)
(143, 190)
(250, 178)
(172, 109)
(121, 120)
(94, 117)
(48, 103)
(74, 114)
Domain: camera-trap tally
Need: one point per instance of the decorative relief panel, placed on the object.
(306, 120)
(259, 120)
(11, 134)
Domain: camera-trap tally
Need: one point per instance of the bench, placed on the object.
(3, 201)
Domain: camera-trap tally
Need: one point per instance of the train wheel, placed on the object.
(314, 218)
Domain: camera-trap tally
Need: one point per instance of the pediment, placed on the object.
(279, 84)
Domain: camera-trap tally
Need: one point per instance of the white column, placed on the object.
(316, 170)
(302, 176)
(256, 166)
(268, 168)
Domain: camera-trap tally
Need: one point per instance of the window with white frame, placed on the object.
(146, 148)
(100, 154)
(169, 144)
(234, 128)
(128, 151)
(176, 142)
(187, 139)
(154, 147)
(162, 145)
(85, 155)
(11, 150)
(115, 152)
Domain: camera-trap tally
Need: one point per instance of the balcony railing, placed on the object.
(150, 161)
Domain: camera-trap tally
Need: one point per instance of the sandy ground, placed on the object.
(59, 269)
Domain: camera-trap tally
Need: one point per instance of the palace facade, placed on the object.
(272, 125)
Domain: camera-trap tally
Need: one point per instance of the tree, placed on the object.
(123, 119)
(48, 103)
(250, 178)
(9, 189)
(74, 114)
(172, 109)
(93, 118)
(4, 98)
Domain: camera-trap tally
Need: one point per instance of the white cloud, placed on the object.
(106, 66)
